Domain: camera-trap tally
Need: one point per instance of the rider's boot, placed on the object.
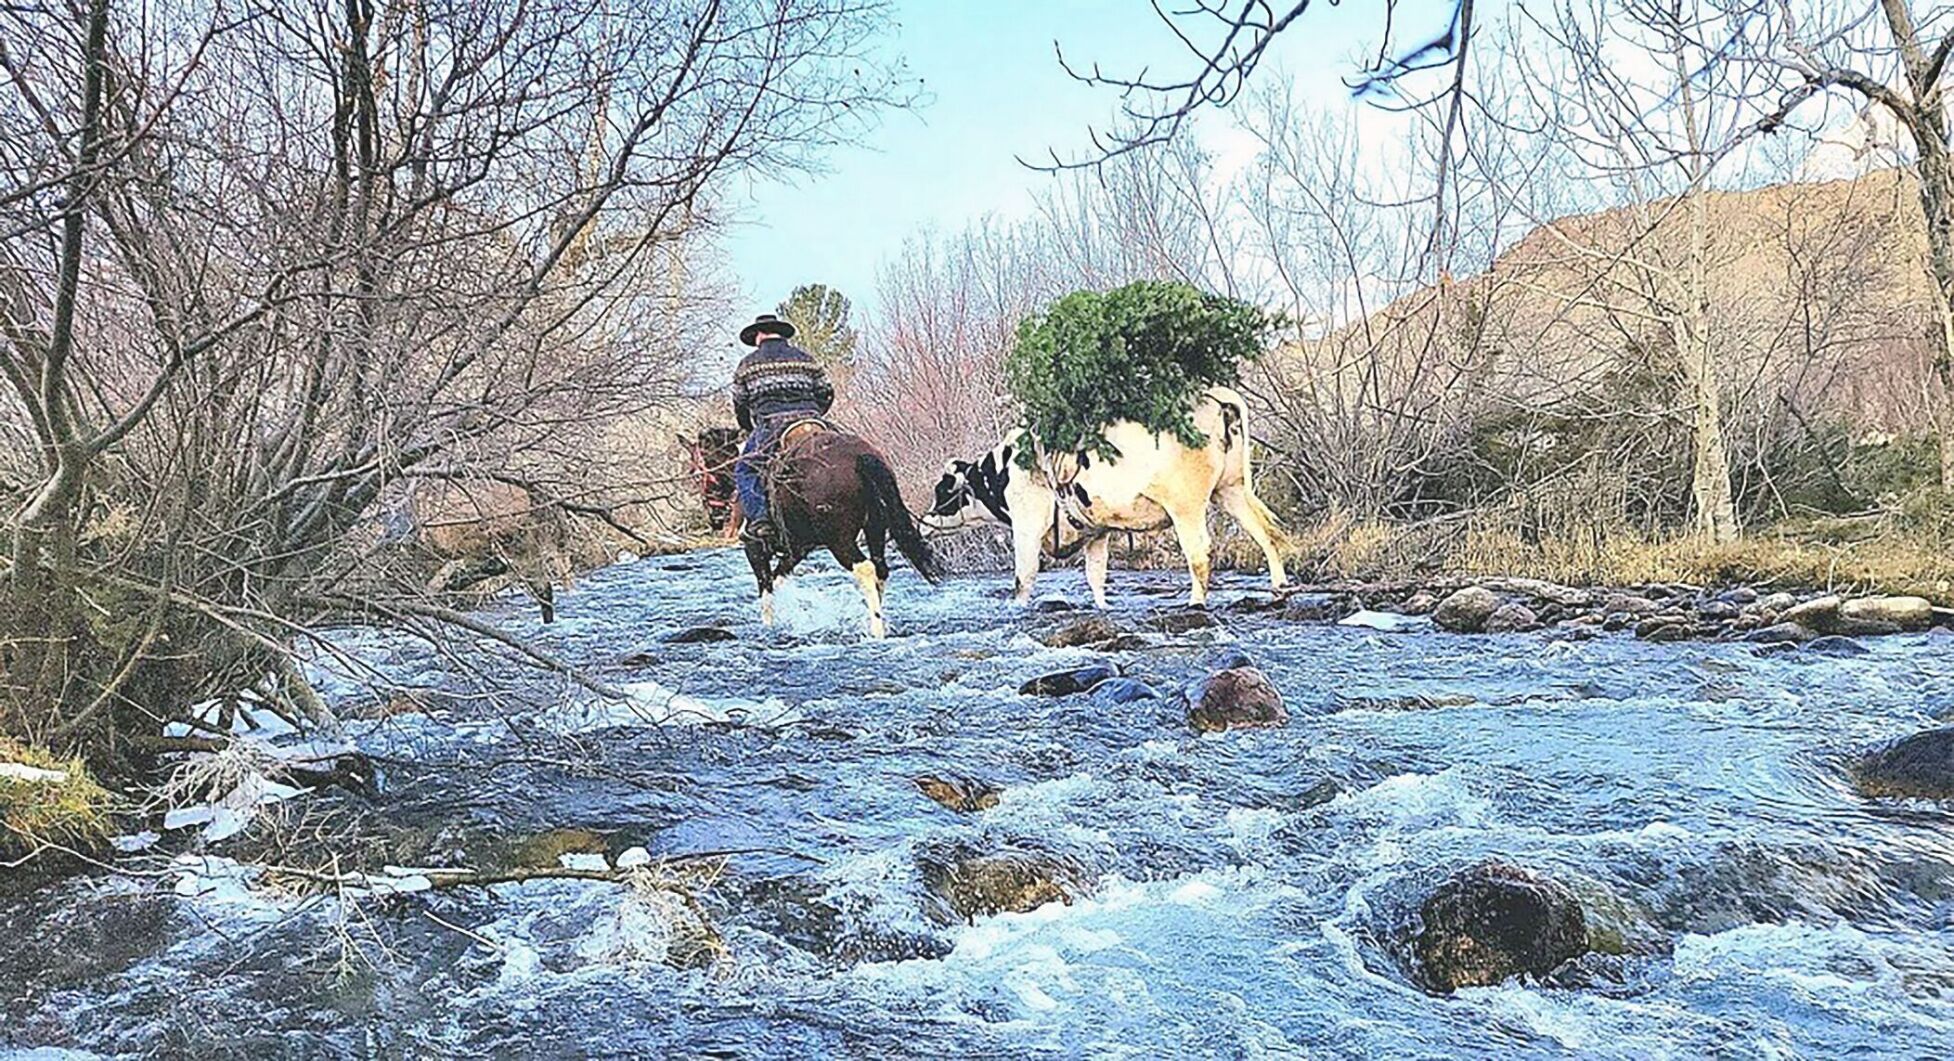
(761, 530)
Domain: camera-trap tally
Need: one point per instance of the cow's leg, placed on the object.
(762, 564)
(1025, 542)
(1098, 552)
(1254, 518)
(1191, 527)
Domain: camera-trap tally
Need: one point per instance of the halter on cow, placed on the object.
(1068, 503)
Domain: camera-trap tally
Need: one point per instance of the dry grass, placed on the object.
(1881, 556)
(53, 803)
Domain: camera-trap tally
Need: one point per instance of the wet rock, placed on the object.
(1419, 603)
(1740, 596)
(1126, 643)
(1315, 609)
(1512, 619)
(1629, 604)
(1466, 611)
(1836, 645)
(1494, 921)
(1780, 634)
(1090, 630)
(1541, 590)
(1718, 611)
(1230, 657)
(1238, 698)
(1920, 766)
(1776, 603)
(1819, 613)
(546, 849)
(1181, 622)
(1906, 613)
(1067, 682)
(1669, 626)
(966, 794)
(964, 885)
(1124, 690)
(1866, 628)
(699, 635)
(1050, 605)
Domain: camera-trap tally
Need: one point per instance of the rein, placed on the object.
(1075, 516)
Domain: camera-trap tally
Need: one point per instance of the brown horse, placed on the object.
(831, 489)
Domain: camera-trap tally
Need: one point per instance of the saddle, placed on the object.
(775, 471)
(800, 431)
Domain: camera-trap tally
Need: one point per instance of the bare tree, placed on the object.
(1896, 61)
(263, 269)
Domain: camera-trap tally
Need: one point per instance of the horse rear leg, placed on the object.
(762, 565)
(870, 581)
(1255, 518)
(878, 551)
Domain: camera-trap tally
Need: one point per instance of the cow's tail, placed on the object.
(1234, 421)
(886, 497)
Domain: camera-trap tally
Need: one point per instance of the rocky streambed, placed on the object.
(1328, 825)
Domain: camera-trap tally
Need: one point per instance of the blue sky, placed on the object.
(996, 93)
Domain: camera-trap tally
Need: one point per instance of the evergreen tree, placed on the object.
(820, 314)
(1142, 352)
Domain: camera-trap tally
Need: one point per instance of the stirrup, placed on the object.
(761, 532)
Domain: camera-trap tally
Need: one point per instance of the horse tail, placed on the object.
(886, 498)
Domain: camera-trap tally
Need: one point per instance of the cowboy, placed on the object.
(775, 386)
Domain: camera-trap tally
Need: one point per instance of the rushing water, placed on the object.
(1249, 889)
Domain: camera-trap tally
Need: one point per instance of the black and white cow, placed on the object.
(1072, 502)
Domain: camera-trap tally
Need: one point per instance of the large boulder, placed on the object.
(1819, 613)
(1467, 611)
(1907, 613)
(1494, 921)
(1237, 698)
(1920, 767)
(1512, 619)
(1780, 633)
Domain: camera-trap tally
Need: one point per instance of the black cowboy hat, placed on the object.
(768, 322)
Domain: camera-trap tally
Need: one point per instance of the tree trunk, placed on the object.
(1716, 509)
(1925, 118)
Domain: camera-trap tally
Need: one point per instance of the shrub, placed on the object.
(1140, 352)
(45, 800)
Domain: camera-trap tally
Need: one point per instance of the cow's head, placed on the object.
(971, 492)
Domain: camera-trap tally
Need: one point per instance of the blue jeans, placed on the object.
(749, 468)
